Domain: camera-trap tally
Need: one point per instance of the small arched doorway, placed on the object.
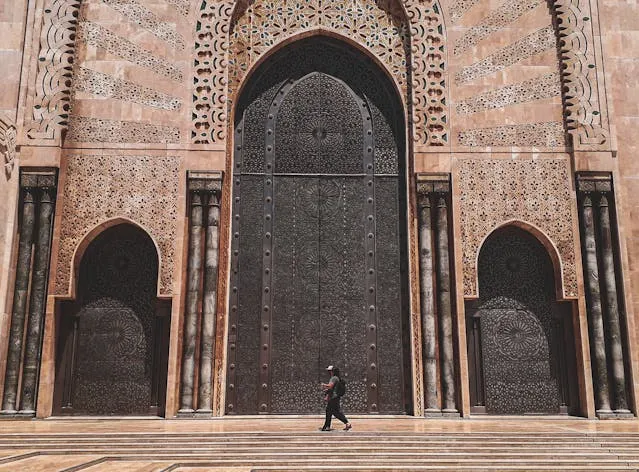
(520, 341)
(113, 343)
(319, 241)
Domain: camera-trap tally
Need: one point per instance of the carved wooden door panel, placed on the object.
(519, 337)
(317, 249)
(113, 344)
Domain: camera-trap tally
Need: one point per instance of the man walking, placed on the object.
(334, 390)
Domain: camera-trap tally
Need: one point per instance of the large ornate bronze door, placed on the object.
(113, 345)
(318, 238)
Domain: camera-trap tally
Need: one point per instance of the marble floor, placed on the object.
(261, 444)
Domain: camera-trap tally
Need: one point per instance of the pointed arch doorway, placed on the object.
(319, 244)
(112, 348)
(520, 338)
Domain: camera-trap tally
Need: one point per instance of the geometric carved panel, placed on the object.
(537, 192)
(143, 189)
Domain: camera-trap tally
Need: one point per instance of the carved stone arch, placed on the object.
(542, 238)
(239, 91)
(425, 62)
(94, 233)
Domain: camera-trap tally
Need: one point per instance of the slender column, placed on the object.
(19, 302)
(612, 309)
(192, 298)
(429, 335)
(445, 309)
(594, 299)
(37, 302)
(209, 310)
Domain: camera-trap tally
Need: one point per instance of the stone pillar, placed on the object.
(20, 296)
(192, 298)
(620, 403)
(429, 334)
(204, 190)
(209, 305)
(444, 307)
(37, 189)
(37, 303)
(436, 188)
(593, 298)
(596, 196)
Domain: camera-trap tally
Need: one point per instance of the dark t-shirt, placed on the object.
(334, 380)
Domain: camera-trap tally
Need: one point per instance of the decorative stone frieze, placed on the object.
(85, 129)
(535, 192)
(183, 7)
(48, 113)
(549, 134)
(528, 46)
(100, 188)
(107, 86)
(8, 144)
(144, 17)
(97, 35)
(538, 88)
(210, 78)
(584, 102)
(497, 19)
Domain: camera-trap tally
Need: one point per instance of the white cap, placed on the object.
(330, 367)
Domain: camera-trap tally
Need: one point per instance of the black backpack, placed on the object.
(340, 388)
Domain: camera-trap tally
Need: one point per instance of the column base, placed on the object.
(17, 415)
(605, 414)
(433, 413)
(203, 413)
(185, 413)
(450, 413)
(624, 413)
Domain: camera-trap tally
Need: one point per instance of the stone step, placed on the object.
(302, 436)
(242, 446)
(293, 452)
(341, 441)
(364, 463)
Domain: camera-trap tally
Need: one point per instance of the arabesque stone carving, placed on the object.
(8, 144)
(99, 188)
(536, 192)
(255, 27)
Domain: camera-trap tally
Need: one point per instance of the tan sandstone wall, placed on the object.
(620, 40)
(152, 95)
(13, 19)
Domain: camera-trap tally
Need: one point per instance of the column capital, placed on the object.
(594, 182)
(38, 178)
(205, 181)
(432, 183)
